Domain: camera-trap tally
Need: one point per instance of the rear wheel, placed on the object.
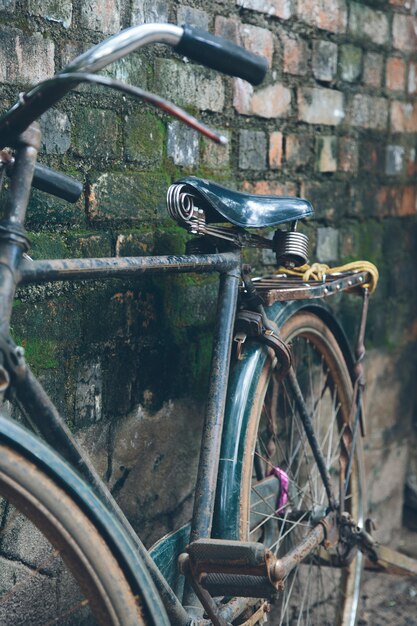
(55, 568)
(314, 593)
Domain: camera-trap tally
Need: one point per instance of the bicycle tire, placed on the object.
(59, 567)
(313, 594)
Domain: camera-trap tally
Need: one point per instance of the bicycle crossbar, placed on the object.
(118, 267)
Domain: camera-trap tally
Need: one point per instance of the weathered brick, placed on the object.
(324, 60)
(149, 11)
(397, 201)
(56, 132)
(329, 198)
(350, 63)
(101, 15)
(298, 150)
(257, 40)
(252, 150)
(395, 74)
(144, 136)
(192, 85)
(372, 69)
(320, 106)
(182, 144)
(412, 78)
(408, 201)
(326, 153)
(130, 69)
(295, 54)
(52, 10)
(403, 117)
(275, 150)
(194, 17)
(394, 160)
(227, 27)
(327, 247)
(372, 157)
(411, 162)
(133, 196)
(269, 102)
(88, 396)
(96, 133)
(270, 188)
(325, 14)
(25, 58)
(348, 154)
(277, 8)
(367, 23)
(215, 156)
(369, 112)
(404, 35)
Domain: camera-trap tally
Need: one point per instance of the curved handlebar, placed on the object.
(118, 46)
(222, 54)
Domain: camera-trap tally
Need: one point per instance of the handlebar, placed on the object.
(207, 49)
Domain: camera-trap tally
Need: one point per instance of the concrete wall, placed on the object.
(335, 121)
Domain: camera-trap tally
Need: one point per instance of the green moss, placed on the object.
(41, 354)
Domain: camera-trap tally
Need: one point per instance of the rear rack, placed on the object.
(287, 287)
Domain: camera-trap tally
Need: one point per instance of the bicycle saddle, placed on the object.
(243, 209)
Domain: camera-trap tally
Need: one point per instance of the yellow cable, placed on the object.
(318, 271)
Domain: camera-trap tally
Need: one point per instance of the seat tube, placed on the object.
(13, 239)
(213, 425)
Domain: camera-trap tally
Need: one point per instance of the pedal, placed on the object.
(228, 557)
(230, 568)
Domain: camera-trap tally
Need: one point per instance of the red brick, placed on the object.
(404, 34)
(325, 14)
(270, 102)
(275, 150)
(408, 201)
(395, 74)
(411, 163)
(348, 154)
(372, 69)
(257, 40)
(397, 201)
(403, 117)
(270, 188)
(279, 8)
(226, 27)
(295, 54)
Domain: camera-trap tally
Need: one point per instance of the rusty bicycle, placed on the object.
(279, 516)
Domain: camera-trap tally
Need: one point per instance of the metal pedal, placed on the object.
(238, 585)
(223, 556)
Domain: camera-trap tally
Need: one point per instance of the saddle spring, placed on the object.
(291, 247)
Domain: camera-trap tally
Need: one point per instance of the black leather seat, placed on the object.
(243, 209)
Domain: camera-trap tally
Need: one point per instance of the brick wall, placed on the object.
(335, 121)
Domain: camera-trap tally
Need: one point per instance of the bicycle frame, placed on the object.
(208, 517)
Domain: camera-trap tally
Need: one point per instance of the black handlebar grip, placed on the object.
(56, 184)
(221, 54)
